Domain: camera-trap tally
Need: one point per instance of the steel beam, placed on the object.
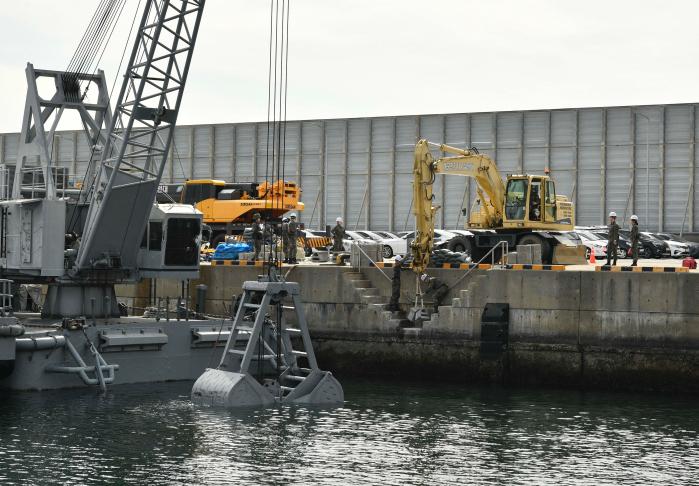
(392, 191)
(520, 162)
(661, 171)
(549, 141)
(212, 151)
(322, 211)
(299, 162)
(234, 152)
(632, 167)
(191, 152)
(576, 164)
(692, 165)
(346, 173)
(443, 217)
(469, 142)
(603, 167)
(367, 219)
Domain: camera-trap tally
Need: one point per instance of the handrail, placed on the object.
(372, 261)
(490, 252)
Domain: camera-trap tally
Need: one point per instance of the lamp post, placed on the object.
(647, 164)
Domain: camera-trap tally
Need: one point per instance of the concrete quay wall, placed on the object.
(582, 329)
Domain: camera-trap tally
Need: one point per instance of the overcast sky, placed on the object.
(353, 58)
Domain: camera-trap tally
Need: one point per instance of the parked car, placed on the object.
(593, 243)
(678, 249)
(692, 246)
(392, 244)
(652, 246)
(350, 237)
(624, 247)
(441, 238)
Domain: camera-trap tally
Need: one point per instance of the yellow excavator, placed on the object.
(524, 210)
(228, 207)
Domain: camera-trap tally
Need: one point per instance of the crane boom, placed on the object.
(122, 192)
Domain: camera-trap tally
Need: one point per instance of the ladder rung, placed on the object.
(255, 356)
(303, 370)
(288, 307)
(299, 353)
(292, 330)
(252, 306)
(243, 329)
(286, 388)
(295, 377)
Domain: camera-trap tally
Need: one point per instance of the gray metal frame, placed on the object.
(140, 135)
(37, 140)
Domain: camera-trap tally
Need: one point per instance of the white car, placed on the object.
(441, 237)
(594, 244)
(677, 248)
(392, 244)
(351, 237)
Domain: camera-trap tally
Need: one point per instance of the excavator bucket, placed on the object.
(569, 255)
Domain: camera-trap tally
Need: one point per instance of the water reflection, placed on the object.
(385, 434)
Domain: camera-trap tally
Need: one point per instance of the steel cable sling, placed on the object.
(92, 45)
(71, 69)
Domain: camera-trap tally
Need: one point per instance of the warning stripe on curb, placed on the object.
(522, 266)
(468, 266)
(488, 266)
(607, 268)
(238, 263)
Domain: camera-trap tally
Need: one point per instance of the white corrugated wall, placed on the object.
(630, 160)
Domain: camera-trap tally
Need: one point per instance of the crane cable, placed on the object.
(86, 185)
(93, 44)
(277, 88)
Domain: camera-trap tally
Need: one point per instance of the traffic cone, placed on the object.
(593, 260)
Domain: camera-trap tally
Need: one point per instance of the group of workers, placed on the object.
(613, 239)
(290, 231)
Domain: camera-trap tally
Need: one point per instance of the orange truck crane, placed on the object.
(228, 207)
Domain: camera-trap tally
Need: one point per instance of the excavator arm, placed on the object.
(467, 163)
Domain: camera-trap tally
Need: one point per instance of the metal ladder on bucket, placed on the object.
(260, 335)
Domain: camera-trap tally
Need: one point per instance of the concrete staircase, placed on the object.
(376, 303)
(466, 298)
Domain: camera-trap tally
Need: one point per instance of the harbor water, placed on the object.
(386, 433)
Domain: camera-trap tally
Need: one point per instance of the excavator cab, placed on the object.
(530, 199)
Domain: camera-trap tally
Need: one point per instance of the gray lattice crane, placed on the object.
(118, 234)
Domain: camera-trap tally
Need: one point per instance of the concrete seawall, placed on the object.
(582, 329)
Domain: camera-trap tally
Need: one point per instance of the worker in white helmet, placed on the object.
(635, 236)
(612, 239)
(338, 233)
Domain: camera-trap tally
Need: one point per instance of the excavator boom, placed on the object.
(519, 210)
(466, 163)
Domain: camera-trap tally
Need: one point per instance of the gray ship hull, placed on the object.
(144, 350)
